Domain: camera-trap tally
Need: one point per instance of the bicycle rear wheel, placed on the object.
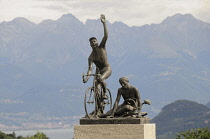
(107, 102)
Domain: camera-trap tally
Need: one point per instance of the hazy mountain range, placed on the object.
(41, 65)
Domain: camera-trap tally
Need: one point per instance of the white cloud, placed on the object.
(132, 12)
(203, 12)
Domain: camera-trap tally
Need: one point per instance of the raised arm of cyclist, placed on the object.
(103, 42)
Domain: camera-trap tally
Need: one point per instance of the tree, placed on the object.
(39, 135)
(20, 137)
(7, 136)
(199, 133)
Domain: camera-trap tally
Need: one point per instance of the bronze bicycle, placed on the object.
(94, 102)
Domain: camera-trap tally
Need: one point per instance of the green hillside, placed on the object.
(179, 116)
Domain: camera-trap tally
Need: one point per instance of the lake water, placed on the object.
(51, 133)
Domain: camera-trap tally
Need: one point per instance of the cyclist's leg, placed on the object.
(105, 73)
(122, 110)
(108, 113)
(99, 100)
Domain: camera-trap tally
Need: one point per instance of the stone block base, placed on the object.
(115, 131)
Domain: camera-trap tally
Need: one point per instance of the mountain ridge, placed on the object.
(71, 16)
(159, 59)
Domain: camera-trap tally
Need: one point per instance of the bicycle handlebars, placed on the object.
(90, 75)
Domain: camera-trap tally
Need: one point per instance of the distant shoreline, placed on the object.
(51, 133)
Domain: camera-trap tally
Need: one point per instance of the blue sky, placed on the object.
(132, 12)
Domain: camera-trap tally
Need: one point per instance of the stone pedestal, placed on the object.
(136, 128)
(115, 131)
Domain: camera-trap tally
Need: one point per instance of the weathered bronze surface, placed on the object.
(143, 120)
(98, 57)
(131, 107)
(97, 94)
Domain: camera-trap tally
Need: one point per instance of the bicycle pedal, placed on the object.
(90, 102)
(106, 103)
(105, 97)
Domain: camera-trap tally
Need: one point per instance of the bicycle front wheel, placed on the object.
(90, 102)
